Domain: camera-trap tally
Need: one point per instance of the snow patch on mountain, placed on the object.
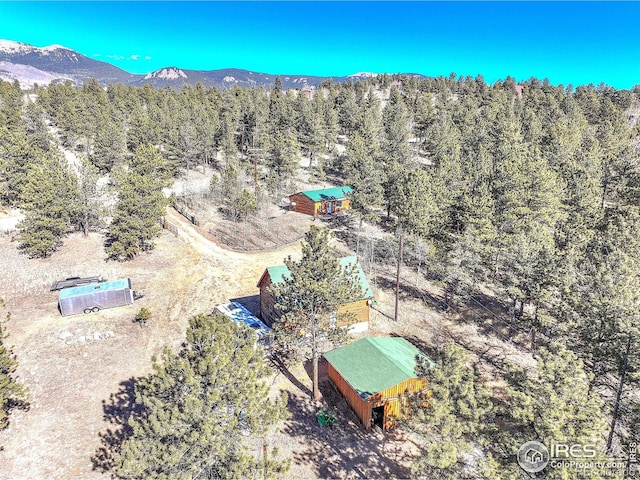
(364, 74)
(9, 46)
(229, 79)
(53, 48)
(27, 75)
(171, 73)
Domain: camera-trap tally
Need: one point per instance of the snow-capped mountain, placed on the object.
(60, 63)
(55, 63)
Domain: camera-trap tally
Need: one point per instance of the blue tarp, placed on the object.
(239, 313)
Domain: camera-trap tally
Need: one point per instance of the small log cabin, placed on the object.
(359, 308)
(320, 202)
(376, 376)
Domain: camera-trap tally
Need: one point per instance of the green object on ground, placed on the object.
(325, 419)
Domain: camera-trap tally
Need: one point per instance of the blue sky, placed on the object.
(566, 42)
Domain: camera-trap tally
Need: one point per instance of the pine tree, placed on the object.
(604, 304)
(109, 145)
(47, 199)
(553, 406)
(12, 392)
(309, 300)
(200, 406)
(453, 415)
(140, 206)
(15, 156)
(361, 174)
(88, 209)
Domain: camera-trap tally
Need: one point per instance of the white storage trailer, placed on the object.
(95, 297)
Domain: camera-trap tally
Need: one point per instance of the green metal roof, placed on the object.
(324, 194)
(94, 287)
(371, 365)
(280, 272)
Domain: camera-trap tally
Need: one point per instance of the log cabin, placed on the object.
(377, 377)
(359, 309)
(321, 202)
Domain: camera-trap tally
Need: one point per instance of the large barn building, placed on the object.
(359, 308)
(376, 376)
(321, 202)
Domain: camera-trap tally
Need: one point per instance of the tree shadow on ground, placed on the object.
(117, 411)
(282, 368)
(346, 448)
(409, 291)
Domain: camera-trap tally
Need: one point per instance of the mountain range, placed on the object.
(56, 64)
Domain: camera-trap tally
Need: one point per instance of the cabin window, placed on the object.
(338, 203)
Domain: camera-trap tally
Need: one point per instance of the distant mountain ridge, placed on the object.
(58, 64)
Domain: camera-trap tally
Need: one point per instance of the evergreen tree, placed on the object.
(361, 174)
(453, 415)
(141, 204)
(309, 300)
(604, 304)
(47, 199)
(200, 406)
(15, 157)
(311, 127)
(88, 209)
(109, 145)
(12, 392)
(554, 406)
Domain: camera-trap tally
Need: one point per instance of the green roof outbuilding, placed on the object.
(372, 365)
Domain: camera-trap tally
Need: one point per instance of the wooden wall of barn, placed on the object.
(361, 407)
(360, 309)
(304, 204)
(393, 398)
(267, 301)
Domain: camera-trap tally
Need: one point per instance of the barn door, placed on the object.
(377, 416)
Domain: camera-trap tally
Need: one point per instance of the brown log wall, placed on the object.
(304, 204)
(359, 406)
(267, 301)
(393, 398)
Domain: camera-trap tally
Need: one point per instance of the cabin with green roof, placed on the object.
(359, 308)
(376, 376)
(321, 202)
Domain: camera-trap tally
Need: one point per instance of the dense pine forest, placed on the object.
(529, 190)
